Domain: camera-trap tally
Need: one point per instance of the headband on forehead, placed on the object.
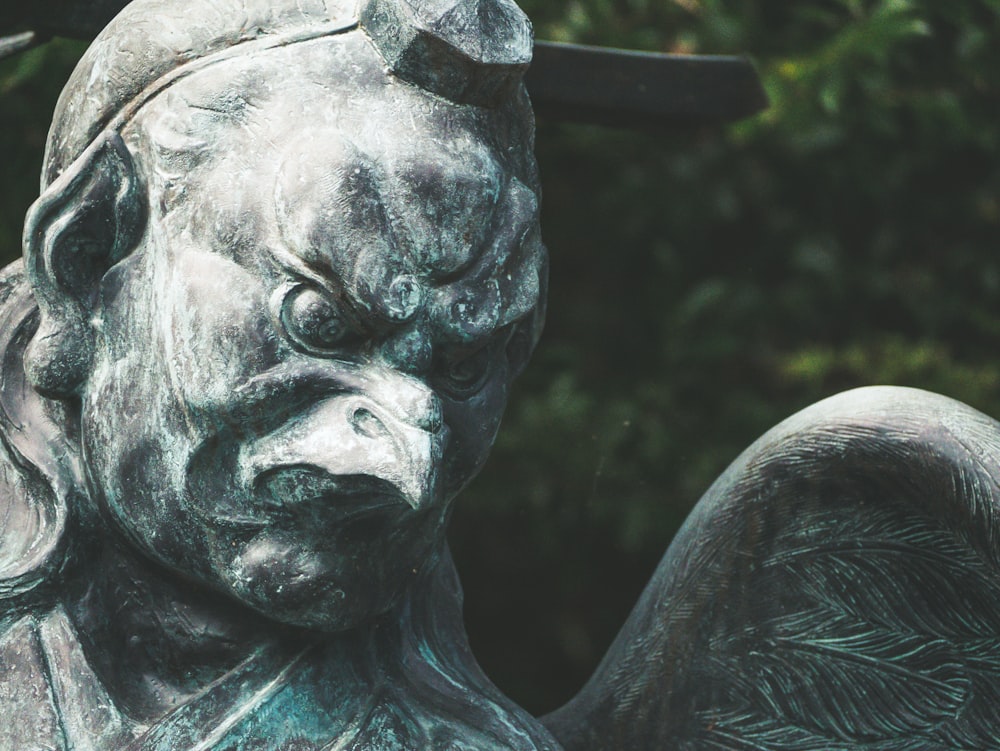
(469, 51)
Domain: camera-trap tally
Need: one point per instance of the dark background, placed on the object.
(705, 285)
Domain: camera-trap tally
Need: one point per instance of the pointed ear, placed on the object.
(87, 220)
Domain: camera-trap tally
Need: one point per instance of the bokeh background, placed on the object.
(705, 285)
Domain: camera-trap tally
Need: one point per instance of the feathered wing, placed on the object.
(837, 588)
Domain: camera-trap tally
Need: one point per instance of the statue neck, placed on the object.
(153, 638)
(157, 641)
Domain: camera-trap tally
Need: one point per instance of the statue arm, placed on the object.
(837, 588)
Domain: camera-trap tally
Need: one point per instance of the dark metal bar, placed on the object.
(641, 89)
(570, 82)
(15, 43)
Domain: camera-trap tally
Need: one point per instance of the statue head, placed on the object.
(284, 266)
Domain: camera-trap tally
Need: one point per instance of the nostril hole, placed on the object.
(366, 423)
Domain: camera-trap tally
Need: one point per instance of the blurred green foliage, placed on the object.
(29, 86)
(705, 286)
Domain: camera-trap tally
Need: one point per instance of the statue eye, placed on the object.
(313, 320)
(462, 374)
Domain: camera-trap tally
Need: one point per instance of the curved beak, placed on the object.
(388, 427)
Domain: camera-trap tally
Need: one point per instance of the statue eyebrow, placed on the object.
(297, 269)
(294, 265)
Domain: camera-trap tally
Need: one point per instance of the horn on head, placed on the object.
(467, 51)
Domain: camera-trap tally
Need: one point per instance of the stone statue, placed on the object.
(284, 267)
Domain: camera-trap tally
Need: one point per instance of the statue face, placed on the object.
(310, 354)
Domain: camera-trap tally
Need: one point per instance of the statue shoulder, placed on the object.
(48, 686)
(25, 691)
(12, 280)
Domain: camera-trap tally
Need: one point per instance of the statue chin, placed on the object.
(329, 590)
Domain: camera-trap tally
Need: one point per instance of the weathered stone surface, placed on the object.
(272, 299)
(285, 265)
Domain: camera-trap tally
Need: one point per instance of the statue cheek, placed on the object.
(217, 327)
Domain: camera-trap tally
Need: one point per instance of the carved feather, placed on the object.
(847, 680)
(901, 585)
(854, 575)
